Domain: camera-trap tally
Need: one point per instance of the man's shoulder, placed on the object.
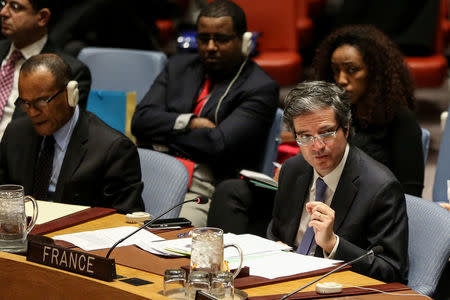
(258, 75)
(100, 132)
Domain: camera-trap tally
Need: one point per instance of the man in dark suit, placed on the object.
(25, 24)
(214, 108)
(64, 154)
(333, 200)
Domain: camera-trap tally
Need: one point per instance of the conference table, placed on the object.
(21, 279)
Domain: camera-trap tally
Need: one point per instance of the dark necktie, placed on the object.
(308, 237)
(7, 79)
(43, 169)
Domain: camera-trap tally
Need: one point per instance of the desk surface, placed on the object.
(151, 290)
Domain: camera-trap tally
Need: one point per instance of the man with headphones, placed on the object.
(214, 108)
(61, 153)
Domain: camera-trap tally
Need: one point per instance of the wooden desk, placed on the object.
(27, 280)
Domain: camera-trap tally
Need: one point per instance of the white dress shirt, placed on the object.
(27, 52)
(332, 181)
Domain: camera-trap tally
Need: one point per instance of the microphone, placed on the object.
(374, 251)
(199, 200)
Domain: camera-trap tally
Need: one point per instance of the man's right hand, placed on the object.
(196, 123)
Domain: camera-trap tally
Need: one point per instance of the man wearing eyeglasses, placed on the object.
(25, 24)
(61, 153)
(214, 108)
(334, 200)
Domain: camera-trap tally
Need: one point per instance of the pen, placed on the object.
(183, 234)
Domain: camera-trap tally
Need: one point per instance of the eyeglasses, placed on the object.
(218, 38)
(307, 140)
(38, 104)
(13, 6)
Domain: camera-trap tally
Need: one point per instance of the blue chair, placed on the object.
(425, 143)
(442, 167)
(123, 69)
(273, 141)
(428, 244)
(165, 182)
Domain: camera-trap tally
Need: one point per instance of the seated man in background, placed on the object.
(334, 200)
(61, 153)
(214, 108)
(25, 25)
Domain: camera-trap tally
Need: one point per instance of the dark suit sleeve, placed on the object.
(387, 227)
(246, 125)
(122, 186)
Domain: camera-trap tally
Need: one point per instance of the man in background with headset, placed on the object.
(25, 25)
(214, 108)
(61, 153)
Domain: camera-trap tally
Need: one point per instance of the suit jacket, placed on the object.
(369, 210)
(101, 166)
(244, 117)
(80, 72)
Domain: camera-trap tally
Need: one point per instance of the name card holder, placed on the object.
(72, 260)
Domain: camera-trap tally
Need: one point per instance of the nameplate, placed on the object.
(72, 260)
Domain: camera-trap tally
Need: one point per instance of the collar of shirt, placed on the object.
(62, 135)
(29, 50)
(332, 179)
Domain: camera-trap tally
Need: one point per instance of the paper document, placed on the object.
(249, 244)
(49, 211)
(259, 178)
(105, 238)
(278, 264)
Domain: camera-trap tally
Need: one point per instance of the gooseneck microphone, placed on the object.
(374, 251)
(199, 200)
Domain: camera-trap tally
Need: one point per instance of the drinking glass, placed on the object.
(207, 250)
(222, 285)
(174, 283)
(13, 221)
(197, 280)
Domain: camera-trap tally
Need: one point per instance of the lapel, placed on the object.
(30, 160)
(4, 48)
(191, 86)
(75, 153)
(347, 189)
(218, 91)
(300, 192)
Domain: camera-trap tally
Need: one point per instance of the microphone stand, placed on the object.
(199, 200)
(370, 253)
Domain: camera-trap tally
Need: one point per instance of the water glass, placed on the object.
(222, 285)
(13, 221)
(207, 250)
(197, 280)
(174, 283)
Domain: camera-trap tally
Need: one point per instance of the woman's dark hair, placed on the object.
(389, 85)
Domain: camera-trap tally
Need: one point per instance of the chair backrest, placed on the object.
(428, 244)
(425, 143)
(273, 141)
(123, 69)
(443, 167)
(165, 182)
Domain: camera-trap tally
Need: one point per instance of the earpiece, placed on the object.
(246, 43)
(72, 93)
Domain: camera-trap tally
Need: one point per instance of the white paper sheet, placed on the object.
(105, 238)
(49, 211)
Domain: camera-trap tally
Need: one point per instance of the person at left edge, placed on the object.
(92, 163)
(25, 24)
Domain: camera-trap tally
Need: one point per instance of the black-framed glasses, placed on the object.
(37, 104)
(13, 5)
(218, 38)
(308, 140)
